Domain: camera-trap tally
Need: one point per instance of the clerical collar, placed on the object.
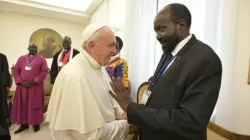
(92, 61)
(181, 45)
(31, 55)
(66, 50)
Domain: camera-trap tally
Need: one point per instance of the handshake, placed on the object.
(133, 129)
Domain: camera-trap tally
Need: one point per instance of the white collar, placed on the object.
(92, 61)
(181, 45)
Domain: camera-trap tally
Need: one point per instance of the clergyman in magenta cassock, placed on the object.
(28, 105)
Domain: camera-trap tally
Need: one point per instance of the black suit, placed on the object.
(54, 65)
(4, 70)
(4, 81)
(183, 99)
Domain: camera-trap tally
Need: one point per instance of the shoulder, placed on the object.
(208, 52)
(72, 74)
(75, 51)
(2, 55)
(22, 57)
(203, 52)
(57, 53)
(76, 65)
(123, 61)
(202, 57)
(41, 58)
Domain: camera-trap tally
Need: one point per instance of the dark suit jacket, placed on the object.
(4, 70)
(183, 99)
(4, 81)
(54, 65)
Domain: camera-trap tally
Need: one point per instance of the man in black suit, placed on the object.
(61, 58)
(184, 88)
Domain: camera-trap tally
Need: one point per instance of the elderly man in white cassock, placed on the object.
(80, 106)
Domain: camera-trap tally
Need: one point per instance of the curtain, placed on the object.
(227, 103)
(139, 41)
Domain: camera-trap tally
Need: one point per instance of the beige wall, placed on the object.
(242, 110)
(16, 29)
(233, 108)
(112, 13)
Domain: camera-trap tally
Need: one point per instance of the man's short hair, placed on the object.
(180, 11)
(68, 38)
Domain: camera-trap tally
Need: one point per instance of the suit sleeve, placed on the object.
(195, 107)
(54, 68)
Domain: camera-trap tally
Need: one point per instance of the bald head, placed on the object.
(100, 44)
(32, 49)
(177, 12)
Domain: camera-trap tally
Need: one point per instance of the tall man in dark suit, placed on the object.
(61, 58)
(184, 88)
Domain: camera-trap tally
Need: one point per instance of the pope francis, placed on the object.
(80, 106)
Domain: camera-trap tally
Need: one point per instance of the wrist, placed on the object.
(126, 106)
(7, 88)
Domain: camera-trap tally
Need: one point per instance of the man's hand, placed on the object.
(133, 129)
(22, 83)
(124, 116)
(32, 83)
(28, 84)
(121, 94)
(7, 89)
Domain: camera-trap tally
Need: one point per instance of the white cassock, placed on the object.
(80, 106)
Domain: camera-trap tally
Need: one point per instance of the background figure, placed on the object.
(62, 58)
(4, 89)
(49, 48)
(118, 68)
(28, 105)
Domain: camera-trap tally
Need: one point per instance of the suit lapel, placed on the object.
(171, 67)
